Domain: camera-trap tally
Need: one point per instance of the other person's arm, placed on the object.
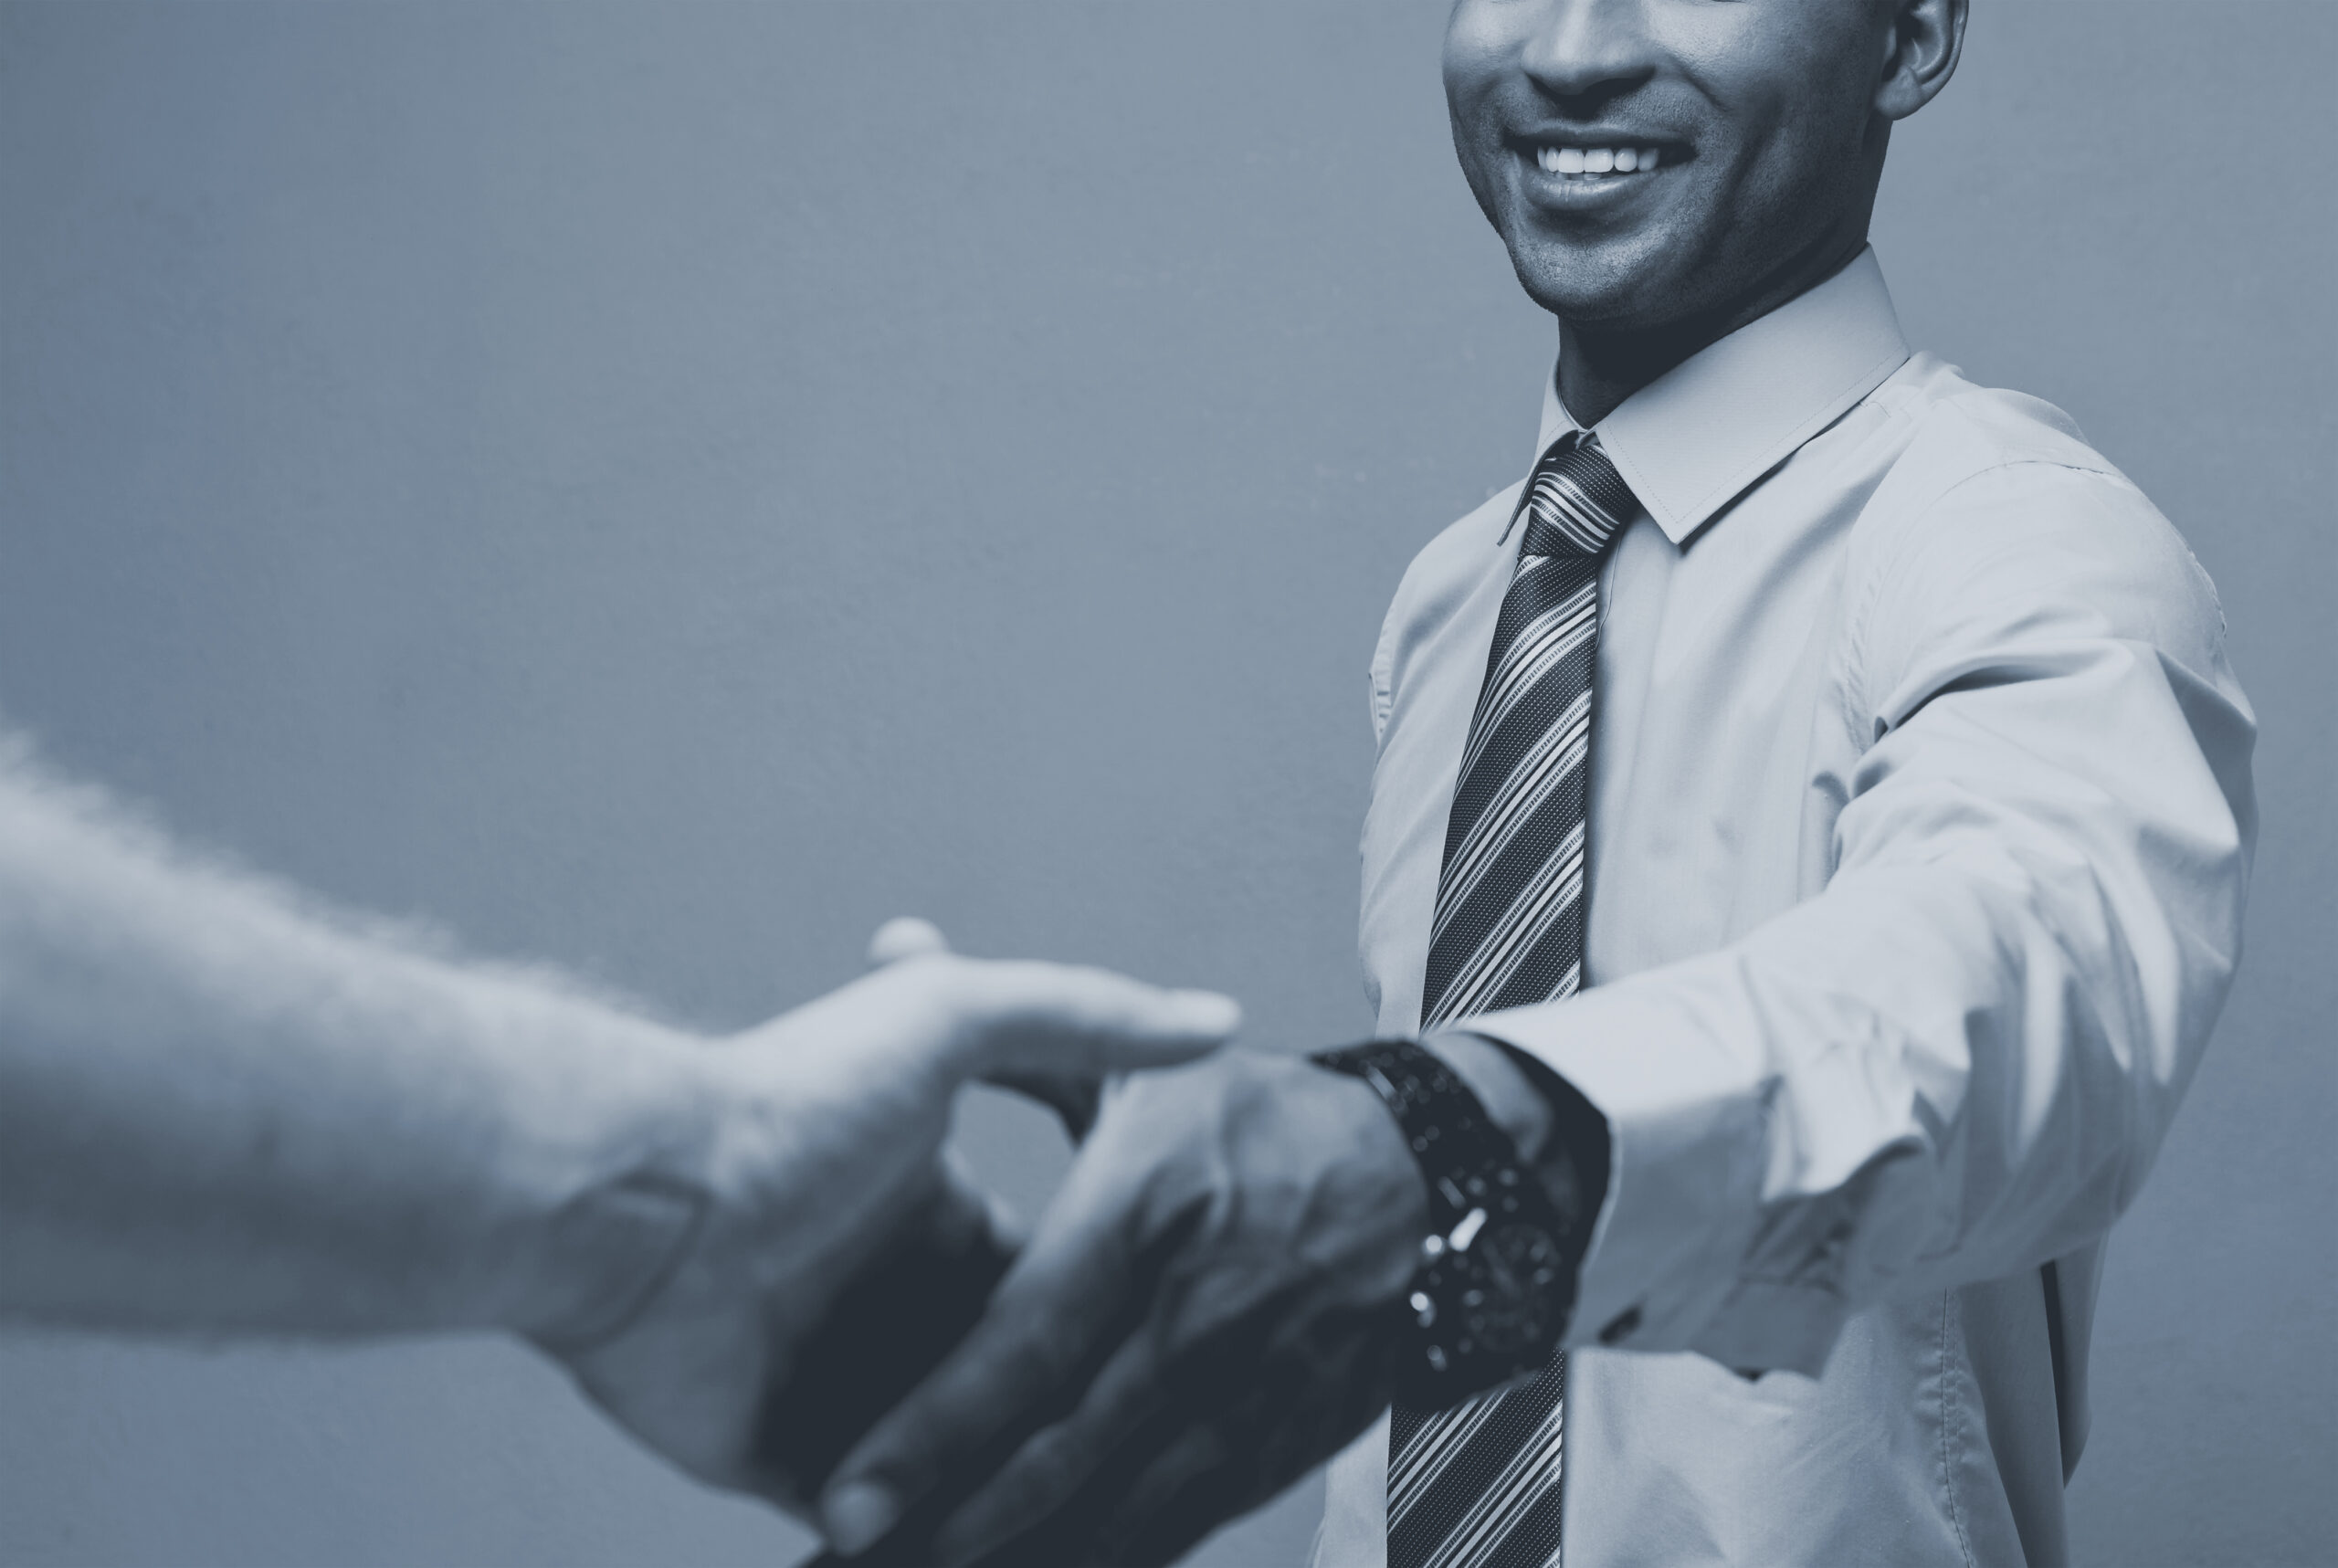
(223, 1111)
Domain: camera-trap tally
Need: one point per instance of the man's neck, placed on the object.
(1600, 366)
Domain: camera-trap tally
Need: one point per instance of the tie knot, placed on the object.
(1576, 502)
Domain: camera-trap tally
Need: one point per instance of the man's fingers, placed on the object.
(1051, 1318)
(1058, 1018)
(905, 936)
(1056, 1461)
(1185, 1483)
(895, 1318)
(1196, 1485)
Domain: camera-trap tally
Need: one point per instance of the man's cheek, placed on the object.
(1475, 43)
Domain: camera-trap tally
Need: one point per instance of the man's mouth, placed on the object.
(1574, 162)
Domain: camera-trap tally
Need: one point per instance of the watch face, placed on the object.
(1518, 1268)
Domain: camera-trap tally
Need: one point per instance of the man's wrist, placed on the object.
(1494, 1284)
(1558, 1132)
(1501, 1085)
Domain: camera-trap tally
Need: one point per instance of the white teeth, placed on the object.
(1595, 160)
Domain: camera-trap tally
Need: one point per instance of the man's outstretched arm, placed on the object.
(1954, 1064)
(223, 1111)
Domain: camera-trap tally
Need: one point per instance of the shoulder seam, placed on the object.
(1861, 722)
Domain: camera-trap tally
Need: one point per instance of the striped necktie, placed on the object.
(1478, 1485)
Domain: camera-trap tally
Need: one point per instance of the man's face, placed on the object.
(1761, 115)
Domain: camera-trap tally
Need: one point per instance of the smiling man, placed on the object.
(1805, 862)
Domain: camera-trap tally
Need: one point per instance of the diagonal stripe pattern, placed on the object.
(1479, 1486)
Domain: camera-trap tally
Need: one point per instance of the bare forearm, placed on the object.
(220, 1111)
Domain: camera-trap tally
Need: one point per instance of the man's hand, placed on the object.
(1209, 1307)
(838, 1255)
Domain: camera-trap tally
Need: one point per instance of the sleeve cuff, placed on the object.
(1688, 1122)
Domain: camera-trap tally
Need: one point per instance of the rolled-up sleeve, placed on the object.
(1958, 1060)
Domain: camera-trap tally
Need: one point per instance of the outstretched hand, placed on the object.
(839, 1253)
(1207, 1310)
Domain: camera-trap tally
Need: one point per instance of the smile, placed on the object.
(1596, 163)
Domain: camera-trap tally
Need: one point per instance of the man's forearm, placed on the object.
(222, 1111)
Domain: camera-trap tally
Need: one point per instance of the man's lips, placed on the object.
(1598, 152)
(1596, 159)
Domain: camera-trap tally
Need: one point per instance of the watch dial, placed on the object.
(1519, 1271)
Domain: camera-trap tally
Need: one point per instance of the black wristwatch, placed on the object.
(1496, 1283)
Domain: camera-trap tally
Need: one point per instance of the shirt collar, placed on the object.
(1697, 437)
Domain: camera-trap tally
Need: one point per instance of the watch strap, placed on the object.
(1491, 1296)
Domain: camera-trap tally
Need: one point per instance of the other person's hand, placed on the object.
(1208, 1308)
(838, 1255)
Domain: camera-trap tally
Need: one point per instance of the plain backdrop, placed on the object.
(662, 487)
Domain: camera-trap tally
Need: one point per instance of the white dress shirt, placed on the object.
(1921, 821)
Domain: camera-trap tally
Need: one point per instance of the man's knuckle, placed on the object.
(1037, 1362)
(1047, 1462)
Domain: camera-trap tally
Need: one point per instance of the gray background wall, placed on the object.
(664, 488)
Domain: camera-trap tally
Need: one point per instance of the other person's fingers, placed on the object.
(1074, 1097)
(1020, 1018)
(905, 936)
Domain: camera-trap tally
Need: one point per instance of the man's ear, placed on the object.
(1920, 54)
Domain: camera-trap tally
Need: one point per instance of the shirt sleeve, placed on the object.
(1958, 1060)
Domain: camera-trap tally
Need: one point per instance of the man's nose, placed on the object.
(1587, 51)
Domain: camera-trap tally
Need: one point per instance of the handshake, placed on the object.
(851, 1327)
(223, 1112)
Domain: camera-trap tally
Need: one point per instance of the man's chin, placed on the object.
(1616, 311)
(1622, 288)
